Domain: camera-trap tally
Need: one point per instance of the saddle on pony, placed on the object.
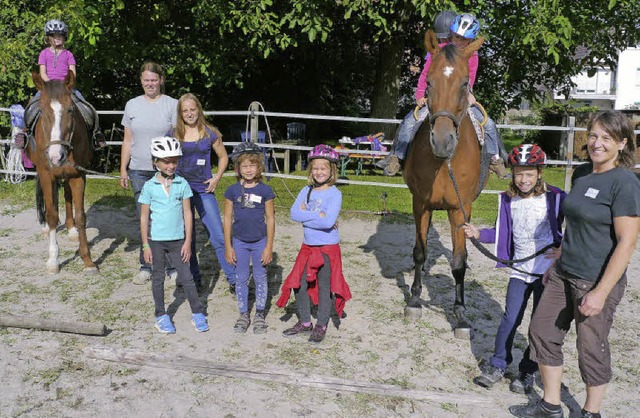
(88, 112)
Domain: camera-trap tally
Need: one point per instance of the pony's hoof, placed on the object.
(412, 312)
(90, 271)
(463, 332)
(53, 269)
(73, 234)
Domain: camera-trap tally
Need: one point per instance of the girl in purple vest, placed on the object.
(529, 219)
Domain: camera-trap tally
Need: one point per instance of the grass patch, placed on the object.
(357, 199)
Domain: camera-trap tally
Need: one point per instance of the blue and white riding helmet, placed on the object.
(465, 25)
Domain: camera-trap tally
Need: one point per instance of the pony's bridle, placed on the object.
(65, 143)
(457, 120)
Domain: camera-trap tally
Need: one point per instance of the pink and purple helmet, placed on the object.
(324, 151)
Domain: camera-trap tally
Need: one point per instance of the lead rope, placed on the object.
(481, 247)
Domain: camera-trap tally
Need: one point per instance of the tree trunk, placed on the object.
(384, 103)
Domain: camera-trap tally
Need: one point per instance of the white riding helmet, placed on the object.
(165, 146)
(55, 26)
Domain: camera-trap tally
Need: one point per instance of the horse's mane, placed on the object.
(450, 52)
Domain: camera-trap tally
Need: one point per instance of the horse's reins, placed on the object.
(481, 247)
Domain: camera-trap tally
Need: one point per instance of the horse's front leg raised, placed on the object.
(458, 269)
(77, 186)
(68, 206)
(422, 219)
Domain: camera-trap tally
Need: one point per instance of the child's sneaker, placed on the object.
(259, 324)
(298, 328)
(164, 325)
(242, 324)
(317, 335)
(489, 377)
(200, 322)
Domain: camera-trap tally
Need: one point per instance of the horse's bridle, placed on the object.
(65, 143)
(455, 119)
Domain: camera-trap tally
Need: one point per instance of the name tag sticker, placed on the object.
(201, 162)
(592, 193)
(255, 198)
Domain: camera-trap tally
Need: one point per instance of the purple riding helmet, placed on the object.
(324, 151)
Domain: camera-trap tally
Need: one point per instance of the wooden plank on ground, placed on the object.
(173, 362)
(75, 327)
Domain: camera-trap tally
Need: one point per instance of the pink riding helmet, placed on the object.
(324, 151)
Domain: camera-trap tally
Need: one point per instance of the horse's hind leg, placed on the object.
(77, 186)
(68, 206)
(458, 269)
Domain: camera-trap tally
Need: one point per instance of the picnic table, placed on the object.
(374, 147)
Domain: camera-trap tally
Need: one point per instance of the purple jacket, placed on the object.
(503, 229)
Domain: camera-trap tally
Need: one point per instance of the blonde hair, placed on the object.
(202, 124)
(256, 159)
(48, 39)
(333, 176)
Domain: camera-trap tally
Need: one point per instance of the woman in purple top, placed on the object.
(197, 138)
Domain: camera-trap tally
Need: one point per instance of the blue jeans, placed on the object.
(250, 253)
(518, 293)
(207, 207)
(409, 128)
(407, 131)
(170, 250)
(492, 141)
(138, 178)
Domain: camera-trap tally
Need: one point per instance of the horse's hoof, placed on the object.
(463, 333)
(91, 271)
(53, 269)
(412, 312)
(73, 234)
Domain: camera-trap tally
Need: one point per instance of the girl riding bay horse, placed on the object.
(443, 168)
(59, 146)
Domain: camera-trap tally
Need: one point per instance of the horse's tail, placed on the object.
(40, 201)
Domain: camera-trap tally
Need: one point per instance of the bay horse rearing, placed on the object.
(445, 148)
(61, 144)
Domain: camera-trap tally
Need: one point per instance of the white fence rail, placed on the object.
(253, 115)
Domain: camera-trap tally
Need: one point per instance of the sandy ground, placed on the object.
(46, 373)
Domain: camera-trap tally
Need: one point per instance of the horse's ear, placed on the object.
(37, 80)
(431, 42)
(473, 47)
(69, 80)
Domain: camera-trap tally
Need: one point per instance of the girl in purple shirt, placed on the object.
(55, 61)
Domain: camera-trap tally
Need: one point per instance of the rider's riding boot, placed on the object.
(99, 139)
(393, 166)
(20, 140)
(497, 166)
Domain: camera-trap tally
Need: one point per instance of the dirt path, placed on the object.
(49, 374)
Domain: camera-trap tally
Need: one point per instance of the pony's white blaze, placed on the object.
(55, 151)
(447, 71)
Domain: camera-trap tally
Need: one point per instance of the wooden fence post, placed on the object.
(255, 106)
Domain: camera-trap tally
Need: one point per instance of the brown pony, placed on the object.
(61, 144)
(445, 148)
